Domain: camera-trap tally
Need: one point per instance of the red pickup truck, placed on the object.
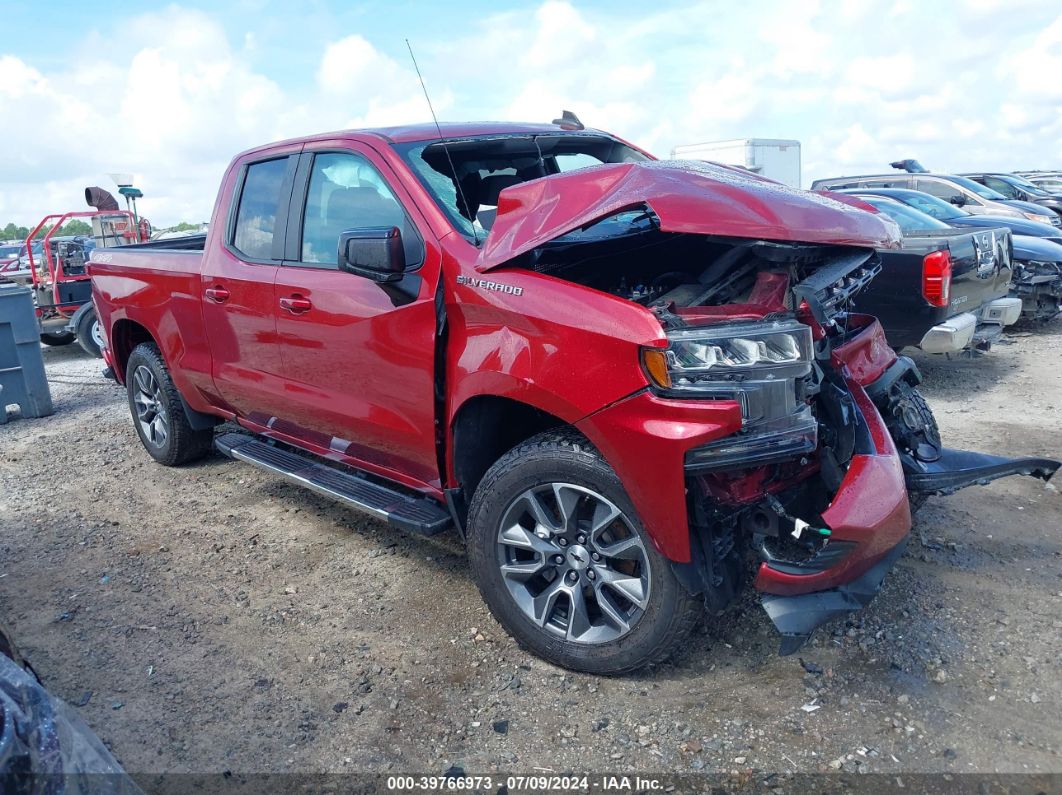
(630, 385)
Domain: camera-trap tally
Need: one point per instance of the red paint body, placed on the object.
(349, 375)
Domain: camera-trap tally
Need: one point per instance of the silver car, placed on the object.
(960, 191)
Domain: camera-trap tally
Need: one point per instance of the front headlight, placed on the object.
(764, 367)
(1043, 219)
(718, 359)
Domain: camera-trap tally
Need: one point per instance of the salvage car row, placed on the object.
(924, 204)
(632, 387)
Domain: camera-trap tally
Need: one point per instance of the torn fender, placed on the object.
(687, 197)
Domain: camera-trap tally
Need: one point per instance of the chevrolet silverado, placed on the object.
(629, 385)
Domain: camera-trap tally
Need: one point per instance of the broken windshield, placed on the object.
(467, 192)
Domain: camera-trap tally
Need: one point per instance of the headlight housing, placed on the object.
(1043, 219)
(716, 360)
(759, 365)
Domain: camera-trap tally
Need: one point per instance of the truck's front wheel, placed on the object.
(565, 565)
(913, 428)
(158, 412)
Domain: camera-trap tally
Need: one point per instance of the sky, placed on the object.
(171, 92)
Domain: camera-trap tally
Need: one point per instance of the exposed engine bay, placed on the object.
(771, 326)
(1039, 285)
(696, 279)
(754, 321)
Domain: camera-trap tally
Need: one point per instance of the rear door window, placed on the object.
(260, 201)
(934, 187)
(1002, 187)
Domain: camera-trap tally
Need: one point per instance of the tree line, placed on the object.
(74, 227)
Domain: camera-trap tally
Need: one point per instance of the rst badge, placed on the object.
(484, 284)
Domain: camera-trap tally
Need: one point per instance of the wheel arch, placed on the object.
(82, 310)
(483, 429)
(124, 337)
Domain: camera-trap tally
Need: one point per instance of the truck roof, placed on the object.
(411, 133)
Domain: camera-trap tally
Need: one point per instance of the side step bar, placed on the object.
(408, 512)
(957, 469)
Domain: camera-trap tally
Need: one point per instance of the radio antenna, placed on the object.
(442, 141)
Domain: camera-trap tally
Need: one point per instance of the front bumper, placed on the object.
(796, 617)
(869, 519)
(868, 516)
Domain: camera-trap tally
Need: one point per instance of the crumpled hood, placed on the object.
(1036, 248)
(687, 196)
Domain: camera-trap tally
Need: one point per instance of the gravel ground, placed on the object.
(213, 618)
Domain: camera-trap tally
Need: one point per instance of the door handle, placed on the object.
(296, 304)
(218, 295)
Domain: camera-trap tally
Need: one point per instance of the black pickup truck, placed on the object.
(945, 289)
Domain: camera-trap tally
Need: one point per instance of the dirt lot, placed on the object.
(212, 618)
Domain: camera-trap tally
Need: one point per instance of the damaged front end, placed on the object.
(835, 438)
(753, 285)
(1039, 286)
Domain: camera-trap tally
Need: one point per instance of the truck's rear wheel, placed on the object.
(565, 565)
(158, 412)
(89, 333)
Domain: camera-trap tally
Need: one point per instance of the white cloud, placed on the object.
(174, 111)
(171, 95)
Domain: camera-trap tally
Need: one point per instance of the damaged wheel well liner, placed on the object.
(485, 428)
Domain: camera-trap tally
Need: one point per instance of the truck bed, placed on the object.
(186, 243)
(981, 272)
(150, 286)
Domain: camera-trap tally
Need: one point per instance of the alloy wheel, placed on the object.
(150, 410)
(574, 563)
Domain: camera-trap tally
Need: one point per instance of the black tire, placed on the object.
(180, 443)
(567, 459)
(57, 338)
(911, 424)
(88, 333)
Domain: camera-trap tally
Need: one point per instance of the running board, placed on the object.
(410, 513)
(957, 469)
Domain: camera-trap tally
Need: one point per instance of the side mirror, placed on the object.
(375, 252)
(958, 200)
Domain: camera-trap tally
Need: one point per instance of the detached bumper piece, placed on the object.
(405, 511)
(796, 617)
(957, 469)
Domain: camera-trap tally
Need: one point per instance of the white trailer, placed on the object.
(776, 158)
